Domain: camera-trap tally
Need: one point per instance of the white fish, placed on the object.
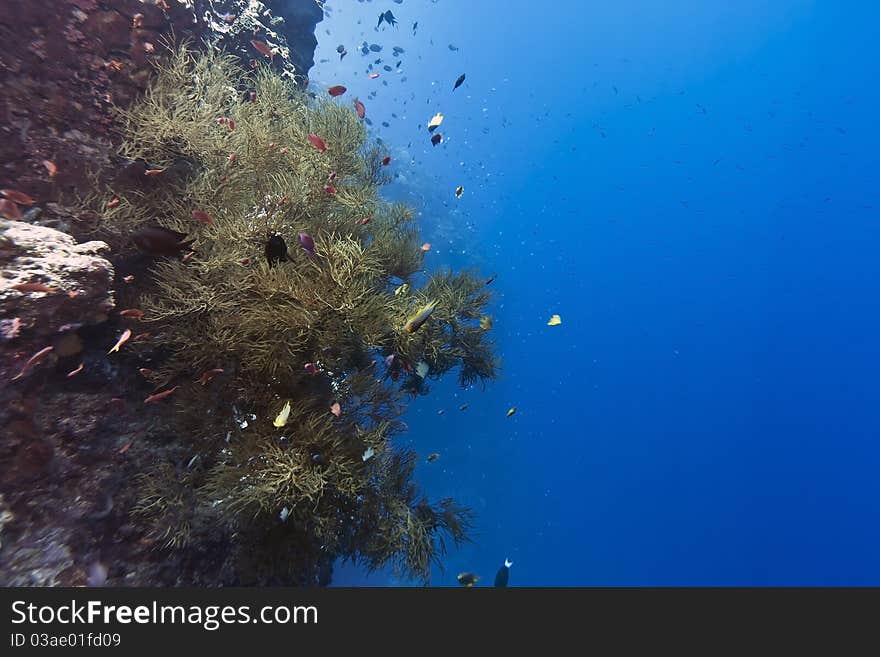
(281, 420)
(422, 368)
(284, 513)
(368, 454)
(508, 563)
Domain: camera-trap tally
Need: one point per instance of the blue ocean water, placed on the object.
(693, 187)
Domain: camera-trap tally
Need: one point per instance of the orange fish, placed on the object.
(33, 287)
(159, 396)
(122, 340)
(76, 371)
(146, 372)
(386, 160)
(330, 189)
(336, 409)
(359, 108)
(205, 378)
(262, 48)
(317, 142)
(124, 448)
(153, 172)
(426, 246)
(365, 221)
(129, 278)
(17, 197)
(112, 203)
(9, 210)
(50, 167)
(337, 90)
(134, 313)
(33, 359)
(202, 217)
(373, 76)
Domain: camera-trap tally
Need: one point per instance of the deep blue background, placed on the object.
(693, 186)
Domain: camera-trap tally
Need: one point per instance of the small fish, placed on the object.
(359, 108)
(153, 172)
(342, 55)
(555, 320)
(463, 407)
(373, 76)
(368, 454)
(276, 249)
(50, 167)
(340, 48)
(112, 203)
(511, 411)
(207, 376)
(365, 220)
(159, 396)
(134, 313)
(415, 322)
(435, 122)
(441, 412)
(433, 457)
(129, 278)
(486, 323)
(425, 247)
(336, 409)
(159, 241)
(436, 139)
(452, 47)
(307, 243)
(403, 288)
(386, 160)
(124, 448)
(336, 90)
(33, 359)
(281, 419)
(311, 368)
(17, 197)
(467, 579)
(458, 82)
(9, 210)
(317, 142)
(503, 574)
(126, 334)
(491, 279)
(76, 371)
(202, 217)
(330, 189)
(389, 360)
(263, 49)
(34, 287)
(422, 369)
(459, 191)
(145, 372)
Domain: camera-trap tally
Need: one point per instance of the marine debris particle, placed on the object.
(281, 419)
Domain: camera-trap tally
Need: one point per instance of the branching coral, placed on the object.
(228, 171)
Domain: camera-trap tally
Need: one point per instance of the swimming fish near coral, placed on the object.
(336, 90)
(388, 17)
(403, 288)
(491, 279)
(467, 579)
(263, 48)
(415, 322)
(307, 243)
(459, 191)
(359, 108)
(433, 457)
(336, 409)
(386, 160)
(17, 197)
(311, 368)
(34, 287)
(281, 419)
(511, 411)
(159, 396)
(459, 82)
(368, 454)
(202, 217)
(555, 320)
(435, 122)
(503, 574)
(126, 334)
(9, 210)
(276, 249)
(486, 322)
(159, 241)
(422, 369)
(132, 313)
(208, 376)
(317, 142)
(425, 247)
(33, 359)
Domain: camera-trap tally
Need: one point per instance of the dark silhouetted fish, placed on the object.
(458, 82)
(503, 574)
(276, 249)
(159, 241)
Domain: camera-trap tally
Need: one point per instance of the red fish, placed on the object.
(9, 210)
(282, 150)
(262, 48)
(373, 76)
(202, 217)
(33, 287)
(129, 278)
(17, 197)
(124, 448)
(33, 359)
(359, 108)
(153, 172)
(159, 396)
(134, 313)
(317, 142)
(365, 221)
(231, 124)
(206, 377)
(336, 409)
(336, 90)
(311, 368)
(76, 371)
(146, 372)
(331, 176)
(112, 203)
(386, 160)
(330, 189)
(121, 341)
(50, 167)
(426, 246)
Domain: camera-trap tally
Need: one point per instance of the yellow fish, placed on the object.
(281, 419)
(511, 411)
(401, 289)
(459, 191)
(485, 322)
(415, 322)
(435, 122)
(556, 320)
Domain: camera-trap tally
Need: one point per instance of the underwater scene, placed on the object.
(374, 293)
